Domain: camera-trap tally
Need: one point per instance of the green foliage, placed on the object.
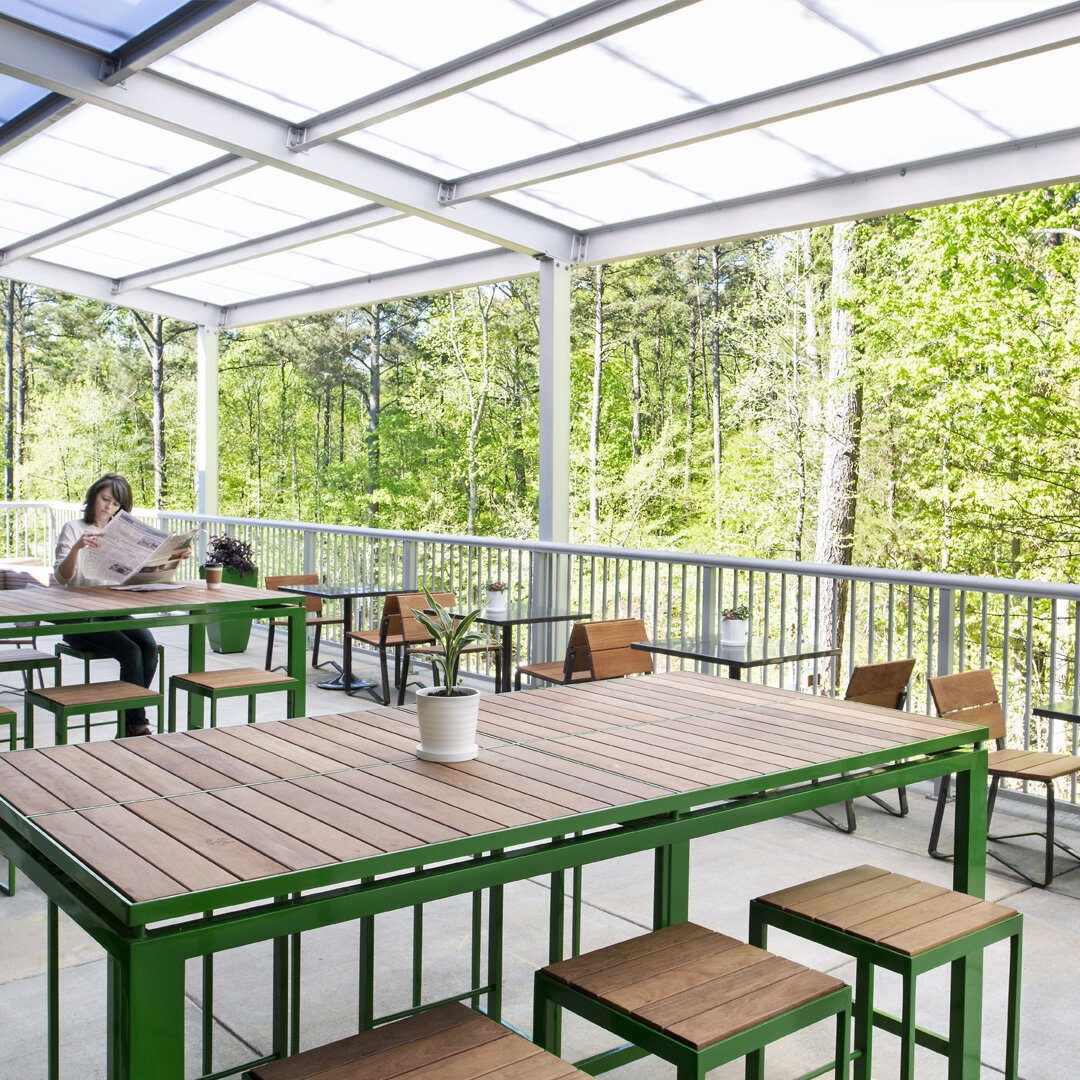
(451, 634)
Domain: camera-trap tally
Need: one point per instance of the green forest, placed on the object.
(898, 392)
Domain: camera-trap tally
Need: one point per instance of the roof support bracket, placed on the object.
(296, 139)
(447, 194)
(579, 248)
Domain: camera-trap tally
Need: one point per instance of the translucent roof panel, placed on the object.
(15, 96)
(102, 24)
(508, 88)
(92, 157)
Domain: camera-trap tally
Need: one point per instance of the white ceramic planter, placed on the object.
(447, 724)
(496, 601)
(734, 632)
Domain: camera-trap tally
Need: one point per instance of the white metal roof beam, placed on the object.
(151, 198)
(1009, 167)
(1027, 36)
(284, 240)
(182, 26)
(193, 19)
(1013, 166)
(30, 55)
(428, 278)
(584, 25)
(80, 283)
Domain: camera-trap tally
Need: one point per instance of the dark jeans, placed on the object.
(134, 648)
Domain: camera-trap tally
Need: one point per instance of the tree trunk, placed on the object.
(594, 416)
(9, 394)
(635, 390)
(717, 438)
(372, 405)
(842, 414)
(691, 372)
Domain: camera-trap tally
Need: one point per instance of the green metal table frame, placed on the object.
(195, 615)
(147, 956)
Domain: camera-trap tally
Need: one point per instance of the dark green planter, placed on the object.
(232, 635)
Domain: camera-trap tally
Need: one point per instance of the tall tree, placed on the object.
(842, 414)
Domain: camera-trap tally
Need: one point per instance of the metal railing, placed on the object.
(1028, 633)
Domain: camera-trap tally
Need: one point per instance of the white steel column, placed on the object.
(206, 422)
(554, 400)
(551, 582)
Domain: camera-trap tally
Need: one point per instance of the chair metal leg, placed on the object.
(270, 646)
(385, 677)
(315, 646)
(840, 826)
(939, 817)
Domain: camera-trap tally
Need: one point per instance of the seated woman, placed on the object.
(132, 645)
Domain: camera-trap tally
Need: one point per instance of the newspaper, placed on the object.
(130, 552)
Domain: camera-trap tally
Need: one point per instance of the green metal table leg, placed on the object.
(148, 995)
(298, 659)
(366, 973)
(495, 951)
(671, 884)
(907, 1038)
(196, 662)
(208, 1014)
(52, 948)
(1012, 1030)
(294, 993)
(418, 955)
(969, 875)
(864, 1019)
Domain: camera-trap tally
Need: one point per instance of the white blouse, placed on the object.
(69, 537)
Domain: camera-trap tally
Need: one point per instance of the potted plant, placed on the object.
(237, 561)
(496, 596)
(735, 620)
(447, 714)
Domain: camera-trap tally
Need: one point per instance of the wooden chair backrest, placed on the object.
(411, 630)
(883, 684)
(313, 604)
(610, 655)
(970, 696)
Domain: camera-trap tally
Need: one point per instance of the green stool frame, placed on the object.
(8, 717)
(27, 661)
(230, 682)
(928, 927)
(87, 657)
(84, 699)
(813, 997)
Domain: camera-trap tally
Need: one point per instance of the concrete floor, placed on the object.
(728, 870)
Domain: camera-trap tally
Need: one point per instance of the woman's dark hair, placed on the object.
(117, 485)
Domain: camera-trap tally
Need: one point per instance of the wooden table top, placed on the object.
(60, 601)
(176, 814)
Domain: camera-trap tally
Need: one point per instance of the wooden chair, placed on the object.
(451, 1041)
(596, 650)
(411, 602)
(884, 684)
(396, 633)
(694, 998)
(972, 696)
(314, 606)
(897, 923)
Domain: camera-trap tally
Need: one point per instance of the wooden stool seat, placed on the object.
(86, 698)
(12, 659)
(890, 921)
(246, 682)
(892, 910)
(233, 678)
(693, 997)
(451, 1040)
(105, 693)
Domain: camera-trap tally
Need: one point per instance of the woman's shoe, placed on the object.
(131, 730)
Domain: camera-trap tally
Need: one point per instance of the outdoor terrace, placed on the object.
(727, 871)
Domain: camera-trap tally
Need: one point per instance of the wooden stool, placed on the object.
(451, 1039)
(693, 997)
(898, 923)
(87, 698)
(28, 661)
(8, 718)
(246, 682)
(88, 657)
